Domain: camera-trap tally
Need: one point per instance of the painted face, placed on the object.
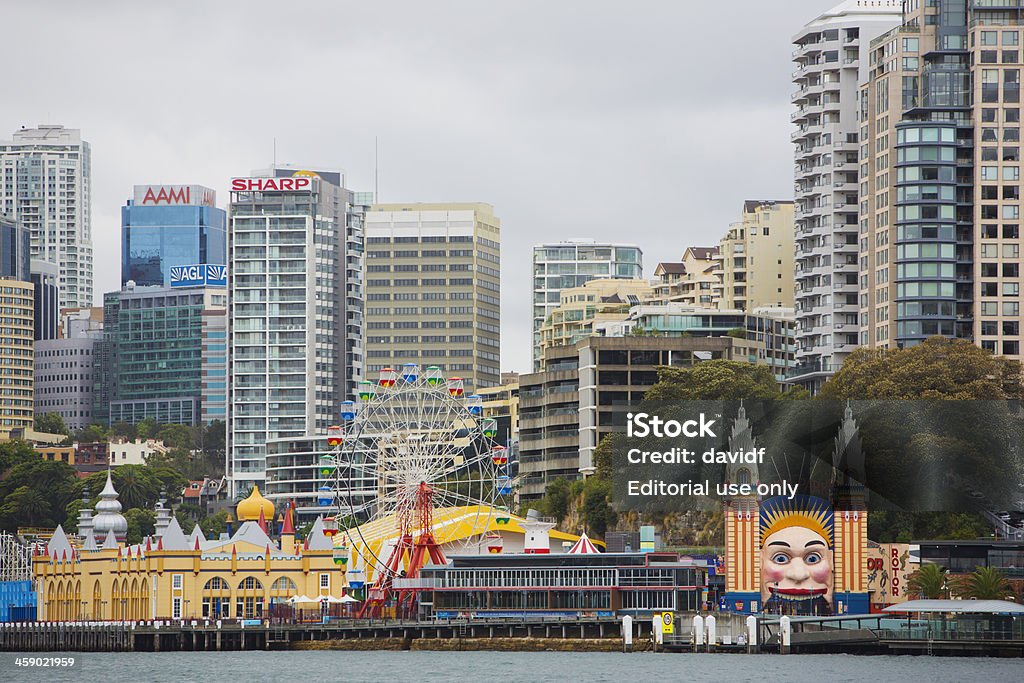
(796, 564)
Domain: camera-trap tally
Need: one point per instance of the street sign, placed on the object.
(667, 622)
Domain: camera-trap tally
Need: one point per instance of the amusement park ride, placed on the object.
(412, 444)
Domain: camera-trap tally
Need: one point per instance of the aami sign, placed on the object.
(293, 184)
(199, 275)
(174, 195)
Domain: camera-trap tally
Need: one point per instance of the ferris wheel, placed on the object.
(414, 465)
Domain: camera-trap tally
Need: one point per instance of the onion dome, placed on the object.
(250, 508)
(108, 514)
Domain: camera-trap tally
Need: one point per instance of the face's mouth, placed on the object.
(797, 593)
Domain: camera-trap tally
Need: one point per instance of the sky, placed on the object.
(647, 122)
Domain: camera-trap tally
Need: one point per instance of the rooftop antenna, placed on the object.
(376, 169)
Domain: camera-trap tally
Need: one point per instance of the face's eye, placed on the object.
(813, 558)
(780, 558)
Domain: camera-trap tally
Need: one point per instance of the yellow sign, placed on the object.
(667, 622)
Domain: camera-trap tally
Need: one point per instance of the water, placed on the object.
(510, 667)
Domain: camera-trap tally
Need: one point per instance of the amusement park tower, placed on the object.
(295, 317)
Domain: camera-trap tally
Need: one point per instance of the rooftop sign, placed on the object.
(293, 184)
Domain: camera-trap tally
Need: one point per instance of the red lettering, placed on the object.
(149, 196)
(270, 184)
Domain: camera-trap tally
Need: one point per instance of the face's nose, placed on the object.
(797, 571)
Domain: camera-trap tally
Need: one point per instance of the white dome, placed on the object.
(108, 513)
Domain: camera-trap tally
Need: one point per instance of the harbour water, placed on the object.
(508, 667)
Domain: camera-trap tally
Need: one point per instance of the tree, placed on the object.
(16, 452)
(123, 430)
(214, 436)
(555, 502)
(214, 525)
(928, 582)
(938, 368)
(146, 429)
(141, 523)
(714, 380)
(91, 434)
(598, 515)
(984, 583)
(177, 436)
(26, 506)
(186, 522)
(50, 423)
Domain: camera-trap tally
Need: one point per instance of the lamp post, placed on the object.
(187, 614)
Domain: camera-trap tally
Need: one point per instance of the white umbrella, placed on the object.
(348, 598)
(330, 599)
(300, 598)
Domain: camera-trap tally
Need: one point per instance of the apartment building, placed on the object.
(831, 60)
(756, 257)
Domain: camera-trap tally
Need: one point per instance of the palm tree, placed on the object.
(984, 583)
(928, 582)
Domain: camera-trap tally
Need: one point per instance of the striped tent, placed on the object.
(583, 546)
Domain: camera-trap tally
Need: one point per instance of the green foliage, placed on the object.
(123, 430)
(177, 436)
(50, 423)
(141, 523)
(214, 525)
(91, 434)
(714, 380)
(556, 500)
(146, 429)
(598, 515)
(35, 492)
(938, 368)
(185, 521)
(16, 452)
(903, 527)
(928, 582)
(984, 583)
(737, 333)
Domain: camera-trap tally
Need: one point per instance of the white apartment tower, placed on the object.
(831, 59)
(295, 311)
(45, 185)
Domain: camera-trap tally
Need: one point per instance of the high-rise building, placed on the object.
(45, 276)
(150, 360)
(65, 371)
(560, 265)
(756, 258)
(433, 289)
(164, 227)
(16, 362)
(45, 185)
(831, 60)
(15, 250)
(940, 178)
(295, 317)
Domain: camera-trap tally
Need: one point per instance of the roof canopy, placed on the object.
(583, 546)
(958, 606)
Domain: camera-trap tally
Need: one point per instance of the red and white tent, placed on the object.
(583, 546)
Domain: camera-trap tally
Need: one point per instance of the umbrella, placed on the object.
(330, 599)
(300, 598)
(348, 598)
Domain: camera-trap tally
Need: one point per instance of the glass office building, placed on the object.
(164, 226)
(15, 249)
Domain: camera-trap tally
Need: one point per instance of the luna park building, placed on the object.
(171, 575)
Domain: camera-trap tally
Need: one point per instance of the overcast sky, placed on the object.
(646, 122)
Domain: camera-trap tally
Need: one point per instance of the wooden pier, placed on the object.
(205, 635)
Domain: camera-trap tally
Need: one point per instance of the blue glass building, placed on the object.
(15, 249)
(165, 226)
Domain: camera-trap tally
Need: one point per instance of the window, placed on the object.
(176, 607)
(325, 582)
(987, 38)
(176, 582)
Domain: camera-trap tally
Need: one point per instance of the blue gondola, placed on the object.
(325, 496)
(504, 485)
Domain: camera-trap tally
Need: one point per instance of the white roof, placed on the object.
(959, 606)
(583, 546)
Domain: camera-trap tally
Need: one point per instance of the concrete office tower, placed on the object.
(65, 370)
(16, 363)
(940, 141)
(295, 318)
(45, 185)
(170, 226)
(150, 363)
(433, 289)
(831, 60)
(560, 265)
(756, 257)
